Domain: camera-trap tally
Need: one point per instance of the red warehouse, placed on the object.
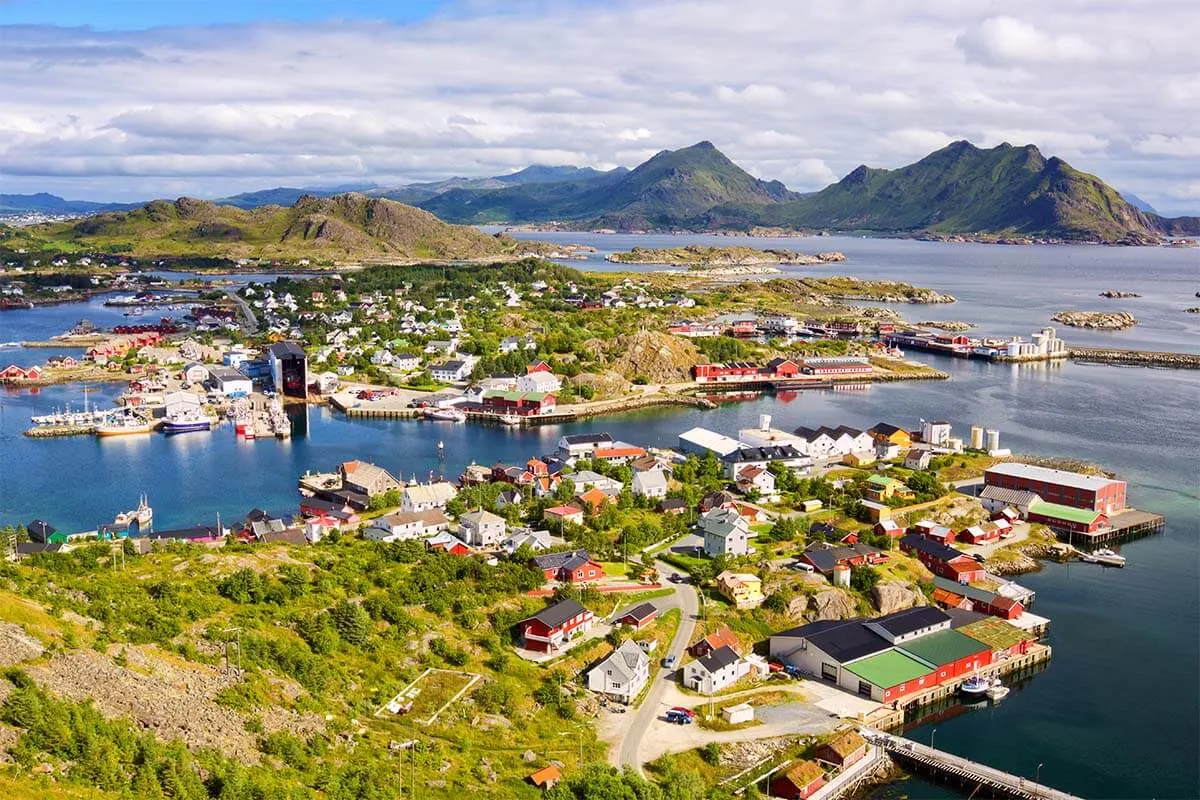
(1092, 492)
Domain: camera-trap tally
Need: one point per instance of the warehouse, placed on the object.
(1068, 518)
(887, 676)
(701, 441)
(1074, 489)
(949, 653)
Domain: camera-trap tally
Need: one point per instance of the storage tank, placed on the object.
(993, 440)
(976, 437)
(841, 576)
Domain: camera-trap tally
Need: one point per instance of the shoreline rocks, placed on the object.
(952, 325)
(1113, 294)
(1097, 320)
(702, 258)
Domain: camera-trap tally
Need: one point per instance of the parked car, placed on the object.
(683, 710)
(801, 566)
(678, 718)
(979, 558)
(669, 662)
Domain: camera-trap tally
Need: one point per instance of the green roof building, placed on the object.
(944, 647)
(888, 676)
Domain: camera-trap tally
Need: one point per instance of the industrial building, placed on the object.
(289, 369)
(1093, 492)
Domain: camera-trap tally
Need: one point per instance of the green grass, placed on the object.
(615, 569)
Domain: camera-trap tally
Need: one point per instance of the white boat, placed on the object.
(1107, 558)
(143, 515)
(125, 425)
(187, 421)
(446, 414)
(510, 419)
(997, 691)
(975, 687)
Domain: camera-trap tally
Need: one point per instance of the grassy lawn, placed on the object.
(435, 690)
(615, 569)
(42, 789)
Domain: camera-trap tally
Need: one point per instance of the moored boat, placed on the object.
(125, 425)
(186, 422)
(975, 687)
(446, 414)
(997, 691)
(1108, 558)
(510, 419)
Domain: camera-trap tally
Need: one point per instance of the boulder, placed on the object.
(833, 604)
(895, 596)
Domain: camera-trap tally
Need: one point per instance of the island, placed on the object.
(951, 325)
(703, 257)
(1113, 294)
(1100, 320)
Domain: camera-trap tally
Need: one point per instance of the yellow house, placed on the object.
(858, 459)
(882, 488)
(742, 589)
(884, 433)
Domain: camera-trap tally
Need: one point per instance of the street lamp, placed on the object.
(931, 735)
(1037, 775)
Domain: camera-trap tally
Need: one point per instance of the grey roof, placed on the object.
(587, 438)
(284, 349)
(568, 559)
(557, 614)
(982, 595)
(960, 617)
(1057, 476)
(719, 659)
(1011, 497)
(887, 429)
(448, 366)
(844, 640)
(911, 619)
(624, 661)
(480, 517)
(777, 452)
(832, 433)
(641, 612)
(226, 374)
(929, 547)
(723, 521)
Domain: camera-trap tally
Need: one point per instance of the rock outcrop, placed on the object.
(895, 596)
(1099, 320)
(832, 604)
(1113, 294)
(953, 325)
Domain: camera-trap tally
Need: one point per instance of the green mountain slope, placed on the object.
(345, 226)
(669, 189)
(964, 189)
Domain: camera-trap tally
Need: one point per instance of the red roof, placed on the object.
(619, 452)
(594, 498)
(721, 638)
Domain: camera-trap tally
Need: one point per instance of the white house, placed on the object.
(423, 497)
(229, 382)
(481, 528)
(586, 479)
(538, 541)
(407, 525)
(756, 478)
(701, 441)
(651, 483)
(538, 382)
(621, 676)
(406, 362)
(450, 371)
(726, 532)
(715, 671)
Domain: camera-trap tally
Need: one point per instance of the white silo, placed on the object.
(976, 437)
(993, 440)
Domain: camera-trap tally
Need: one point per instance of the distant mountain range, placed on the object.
(345, 226)
(1004, 191)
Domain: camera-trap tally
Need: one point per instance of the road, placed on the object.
(686, 600)
(247, 311)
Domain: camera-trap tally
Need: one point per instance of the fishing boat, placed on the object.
(124, 425)
(510, 419)
(975, 687)
(997, 691)
(186, 421)
(446, 414)
(141, 517)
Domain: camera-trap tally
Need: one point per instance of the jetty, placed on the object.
(975, 779)
(1134, 358)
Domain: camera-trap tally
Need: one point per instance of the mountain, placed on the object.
(43, 203)
(415, 193)
(963, 189)
(346, 226)
(670, 189)
(1138, 203)
(287, 195)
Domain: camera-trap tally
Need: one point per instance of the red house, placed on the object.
(888, 527)
(639, 616)
(723, 637)
(571, 566)
(744, 327)
(781, 368)
(13, 373)
(942, 560)
(842, 751)
(731, 372)
(985, 532)
(555, 626)
(537, 366)
(801, 780)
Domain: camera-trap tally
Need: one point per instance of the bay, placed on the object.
(1115, 714)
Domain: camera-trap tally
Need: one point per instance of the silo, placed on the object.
(976, 437)
(993, 440)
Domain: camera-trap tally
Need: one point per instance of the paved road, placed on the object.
(685, 599)
(247, 311)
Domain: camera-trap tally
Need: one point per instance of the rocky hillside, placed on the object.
(347, 226)
(655, 356)
(964, 189)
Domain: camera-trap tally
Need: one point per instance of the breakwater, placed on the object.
(1135, 358)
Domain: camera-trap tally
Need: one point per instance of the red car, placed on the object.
(682, 710)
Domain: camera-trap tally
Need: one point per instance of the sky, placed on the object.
(127, 100)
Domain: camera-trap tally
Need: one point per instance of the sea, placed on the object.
(1116, 713)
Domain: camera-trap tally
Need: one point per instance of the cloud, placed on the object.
(1010, 41)
(790, 91)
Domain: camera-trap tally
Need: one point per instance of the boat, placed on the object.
(510, 419)
(997, 691)
(446, 414)
(975, 687)
(1107, 558)
(141, 516)
(124, 425)
(186, 422)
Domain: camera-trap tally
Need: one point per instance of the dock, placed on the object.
(975, 779)
(1124, 526)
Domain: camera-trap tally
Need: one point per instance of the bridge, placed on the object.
(981, 780)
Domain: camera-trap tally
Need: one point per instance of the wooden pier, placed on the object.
(975, 779)
(1125, 526)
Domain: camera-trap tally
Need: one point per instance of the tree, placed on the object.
(863, 579)
(243, 586)
(351, 622)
